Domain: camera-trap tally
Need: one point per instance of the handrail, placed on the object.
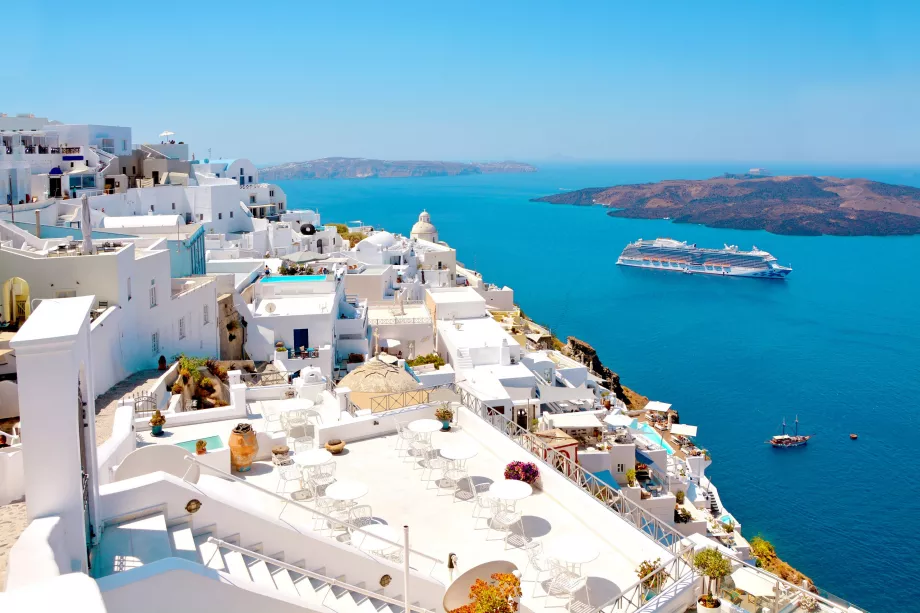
(308, 573)
(639, 587)
(287, 501)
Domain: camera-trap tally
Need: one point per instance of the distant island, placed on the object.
(797, 205)
(363, 168)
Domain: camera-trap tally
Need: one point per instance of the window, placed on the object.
(231, 214)
(124, 170)
(241, 172)
(124, 145)
(129, 288)
(174, 206)
(218, 175)
(220, 215)
(153, 295)
(151, 208)
(181, 328)
(271, 193)
(65, 293)
(134, 170)
(206, 320)
(621, 468)
(252, 198)
(108, 145)
(155, 342)
(250, 178)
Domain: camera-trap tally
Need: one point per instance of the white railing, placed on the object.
(312, 575)
(332, 521)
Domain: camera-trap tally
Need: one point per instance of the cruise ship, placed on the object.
(678, 256)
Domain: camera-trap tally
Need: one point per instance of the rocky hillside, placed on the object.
(363, 168)
(800, 205)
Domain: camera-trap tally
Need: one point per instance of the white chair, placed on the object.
(565, 584)
(454, 476)
(432, 461)
(503, 521)
(287, 474)
(301, 443)
(323, 475)
(404, 438)
(272, 418)
(419, 448)
(537, 561)
(481, 500)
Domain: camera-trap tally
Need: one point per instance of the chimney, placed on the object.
(38, 224)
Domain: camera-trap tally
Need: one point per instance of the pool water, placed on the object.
(294, 278)
(213, 442)
(651, 434)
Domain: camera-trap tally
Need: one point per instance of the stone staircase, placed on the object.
(143, 540)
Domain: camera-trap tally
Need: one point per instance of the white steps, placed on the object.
(236, 565)
(183, 543)
(132, 544)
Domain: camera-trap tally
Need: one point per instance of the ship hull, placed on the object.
(699, 269)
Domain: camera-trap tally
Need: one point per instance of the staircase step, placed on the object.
(283, 581)
(132, 544)
(259, 572)
(210, 553)
(183, 543)
(236, 565)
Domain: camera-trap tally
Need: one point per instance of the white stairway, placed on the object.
(463, 359)
(195, 547)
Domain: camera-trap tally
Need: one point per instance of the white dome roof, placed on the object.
(379, 239)
(424, 225)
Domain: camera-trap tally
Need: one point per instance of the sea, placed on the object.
(837, 344)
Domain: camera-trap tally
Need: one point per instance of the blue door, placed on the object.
(301, 338)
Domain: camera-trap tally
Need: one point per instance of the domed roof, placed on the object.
(424, 225)
(378, 377)
(379, 239)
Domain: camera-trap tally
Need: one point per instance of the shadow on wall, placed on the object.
(9, 400)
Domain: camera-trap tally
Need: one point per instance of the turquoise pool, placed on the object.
(293, 278)
(213, 442)
(652, 435)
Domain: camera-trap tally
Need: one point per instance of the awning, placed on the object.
(660, 407)
(683, 429)
(56, 171)
(573, 420)
(753, 582)
(550, 393)
(618, 420)
(390, 343)
(520, 393)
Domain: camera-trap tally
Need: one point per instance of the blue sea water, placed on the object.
(837, 344)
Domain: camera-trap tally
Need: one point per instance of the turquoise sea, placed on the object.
(837, 343)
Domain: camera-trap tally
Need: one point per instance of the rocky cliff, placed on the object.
(587, 355)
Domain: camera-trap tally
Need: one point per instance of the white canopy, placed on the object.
(752, 582)
(167, 133)
(683, 429)
(618, 420)
(550, 393)
(654, 405)
(573, 420)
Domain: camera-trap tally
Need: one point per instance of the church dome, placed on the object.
(424, 229)
(378, 377)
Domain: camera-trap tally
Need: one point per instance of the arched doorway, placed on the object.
(16, 302)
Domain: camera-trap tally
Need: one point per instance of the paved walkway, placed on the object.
(12, 523)
(107, 402)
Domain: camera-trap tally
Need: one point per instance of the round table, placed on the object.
(424, 426)
(572, 552)
(370, 543)
(345, 490)
(312, 457)
(459, 453)
(510, 491)
(296, 404)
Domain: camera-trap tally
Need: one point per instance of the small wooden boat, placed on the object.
(854, 436)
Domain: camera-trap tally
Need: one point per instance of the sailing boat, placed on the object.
(790, 440)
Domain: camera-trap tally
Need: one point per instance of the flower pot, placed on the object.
(156, 430)
(705, 607)
(335, 448)
(243, 448)
(445, 425)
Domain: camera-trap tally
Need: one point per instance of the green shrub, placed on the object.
(430, 358)
(680, 496)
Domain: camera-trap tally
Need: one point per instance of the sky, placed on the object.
(816, 81)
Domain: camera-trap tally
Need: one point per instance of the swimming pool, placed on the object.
(213, 442)
(650, 433)
(294, 278)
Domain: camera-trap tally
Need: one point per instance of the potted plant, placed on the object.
(714, 567)
(157, 421)
(177, 387)
(522, 471)
(444, 413)
(335, 446)
(631, 477)
(201, 447)
(243, 447)
(680, 496)
(652, 585)
(280, 348)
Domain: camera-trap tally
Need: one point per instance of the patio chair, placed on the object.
(432, 461)
(454, 476)
(274, 421)
(324, 474)
(537, 561)
(404, 438)
(420, 446)
(481, 500)
(565, 584)
(503, 521)
(301, 443)
(287, 474)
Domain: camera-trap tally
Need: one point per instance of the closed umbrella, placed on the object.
(86, 226)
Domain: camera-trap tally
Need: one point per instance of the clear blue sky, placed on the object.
(767, 81)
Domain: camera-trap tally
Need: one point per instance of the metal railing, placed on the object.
(332, 521)
(312, 575)
(401, 400)
(664, 582)
(262, 379)
(390, 321)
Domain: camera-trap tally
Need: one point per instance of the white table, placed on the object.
(295, 404)
(312, 458)
(346, 490)
(424, 427)
(368, 542)
(459, 453)
(572, 552)
(510, 491)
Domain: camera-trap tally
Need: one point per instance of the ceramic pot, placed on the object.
(335, 449)
(445, 425)
(156, 430)
(243, 448)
